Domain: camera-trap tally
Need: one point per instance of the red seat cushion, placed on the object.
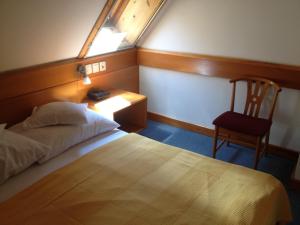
(244, 124)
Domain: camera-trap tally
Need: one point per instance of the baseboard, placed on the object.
(181, 124)
(273, 149)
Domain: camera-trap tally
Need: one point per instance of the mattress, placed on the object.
(36, 172)
(137, 181)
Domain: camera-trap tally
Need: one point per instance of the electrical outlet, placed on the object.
(96, 68)
(88, 69)
(102, 66)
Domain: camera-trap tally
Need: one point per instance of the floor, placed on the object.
(278, 167)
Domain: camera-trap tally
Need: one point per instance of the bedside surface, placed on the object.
(127, 108)
(117, 100)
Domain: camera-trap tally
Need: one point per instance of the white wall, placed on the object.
(40, 31)
(266, 30)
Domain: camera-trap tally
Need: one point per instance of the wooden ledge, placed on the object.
(286, 75)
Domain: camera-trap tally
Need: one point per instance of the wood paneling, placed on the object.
(22, 89)
(276, 150)
(16, 109)
(28, 80)
(285, 75)
(118, 9)
(127, 79)
(136, 16)
(115, 61)
(23, 81)
(124, 16)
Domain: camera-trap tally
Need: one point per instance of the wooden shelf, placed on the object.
(126, 108)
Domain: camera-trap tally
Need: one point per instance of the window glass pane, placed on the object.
(124, 25)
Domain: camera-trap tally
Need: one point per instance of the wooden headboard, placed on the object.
(21, 90)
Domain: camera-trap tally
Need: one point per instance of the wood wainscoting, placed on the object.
(276, 150)
(286, 75)
(22, 89)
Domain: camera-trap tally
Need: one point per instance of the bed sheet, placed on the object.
(35, 172)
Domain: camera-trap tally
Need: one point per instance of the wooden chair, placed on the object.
(247, 126)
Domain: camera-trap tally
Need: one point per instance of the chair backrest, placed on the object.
(257, 90)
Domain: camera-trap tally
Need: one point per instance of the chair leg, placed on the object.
(228, 142)
(267, 143)
(215, 141)
(257, 152)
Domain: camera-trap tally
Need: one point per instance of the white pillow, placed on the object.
(17, 153)
(57, 113)
(60, 138)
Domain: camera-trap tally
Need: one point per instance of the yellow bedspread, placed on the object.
(138, 181)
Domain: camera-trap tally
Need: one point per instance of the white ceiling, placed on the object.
(40, 31)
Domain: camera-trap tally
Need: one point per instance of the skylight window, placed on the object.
(123, 23)
(107, 40)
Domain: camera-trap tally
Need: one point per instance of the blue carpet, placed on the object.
(279, 167)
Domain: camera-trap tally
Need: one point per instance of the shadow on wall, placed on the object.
(288, 118)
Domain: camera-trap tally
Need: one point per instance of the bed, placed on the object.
(134, 180)
(38, 171)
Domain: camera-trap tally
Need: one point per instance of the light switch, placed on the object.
(88, 69)
(96, 68)
(102, 66)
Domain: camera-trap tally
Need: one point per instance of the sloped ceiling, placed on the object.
(264, 30)
(40, 31)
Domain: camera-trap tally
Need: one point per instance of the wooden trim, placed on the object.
(114, 61)
(17, 108)
(23, 81)
(180, 124)
(22, 89)
(283, 152)
(70, 61)
(225, 67)
(105, 11)
(163, 2)
(276, 150)
(117, 11)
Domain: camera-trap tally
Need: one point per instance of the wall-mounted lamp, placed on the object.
(85, 78)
